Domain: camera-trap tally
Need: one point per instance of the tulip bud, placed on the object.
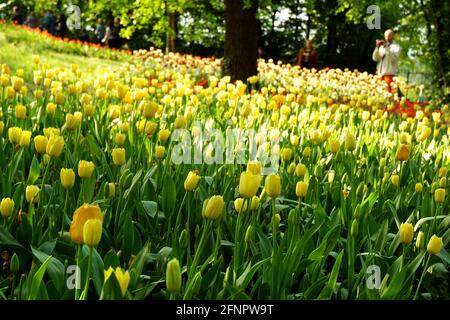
(273, 185)
(249, 184)
(238, 205)
(439, 195)
(420, 241)
(354, 228)
(291, 168)
(382, 162)
(31, 194)
(111, 189)
(443, 172)
(118, 156)
(183, 239)
(443, 182)
(395, 179)
(67, 178)
(120, 139)
(191, 181)
(334, 146)
(159, 152)
(286, 154)
(14, 264)
(301, 189)
(276, 219)
(406, 233)
(214, 208)
(92, 232)
(249, 234)
(331, 176)
(51, 108)
(173, 276)
(350, 141)
(418, 188)
(435, 245)
(255, 203)
(306, 152)
(6, 207)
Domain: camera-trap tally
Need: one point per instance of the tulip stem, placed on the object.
(88, 276)
(199, 250)
(421, 278)
(64, 213)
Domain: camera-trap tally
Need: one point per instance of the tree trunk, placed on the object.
(240, 56)
(172, 32)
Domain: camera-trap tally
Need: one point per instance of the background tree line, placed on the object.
(277, 29)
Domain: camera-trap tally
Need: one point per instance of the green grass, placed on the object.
(17, 47)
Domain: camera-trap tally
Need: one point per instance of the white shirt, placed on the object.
(387, 58)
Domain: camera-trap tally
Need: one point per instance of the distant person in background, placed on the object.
(307, 56)
(49, 22)
(387, 56)
(100, 31)
(61, 25)
(16, 16)
(112, 35)
(32, 21)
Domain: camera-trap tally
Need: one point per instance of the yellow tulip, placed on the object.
(273, 185)
(163, 135)
(418, 187)
(435, 245)
(403, 152)
(180, 122)
(6, 207)
(120, 139)
(123, 278)
(31, 194)
(249, 184)
(301, 189)
(420, 240)
(118, 156)
(255, 203)
(350, 141)
(406, 233)
(71, 121)
(334, 146)
(214, 207)
(51, 108)
(55, 145)
(40, 144)
(25, 138)
(85, 169)
(67, 177)
(159, 152)
(395, 179)
(191, 181)
(254, 167)
(300, 170)
(14, 135)
(80, 217)
(92, 232)
(439, 195)
(20, 112)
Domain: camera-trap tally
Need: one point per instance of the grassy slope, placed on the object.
(17, 47)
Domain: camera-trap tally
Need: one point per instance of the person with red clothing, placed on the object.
(387, 56)
(307, 56)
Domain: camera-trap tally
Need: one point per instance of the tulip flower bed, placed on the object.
(95, 203)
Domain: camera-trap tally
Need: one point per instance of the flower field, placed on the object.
(124, 183)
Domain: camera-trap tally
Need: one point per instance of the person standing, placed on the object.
(32, 21)
(387, 56)
(48, 22)
(16, 16)
(307, 56)
(61, 25)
